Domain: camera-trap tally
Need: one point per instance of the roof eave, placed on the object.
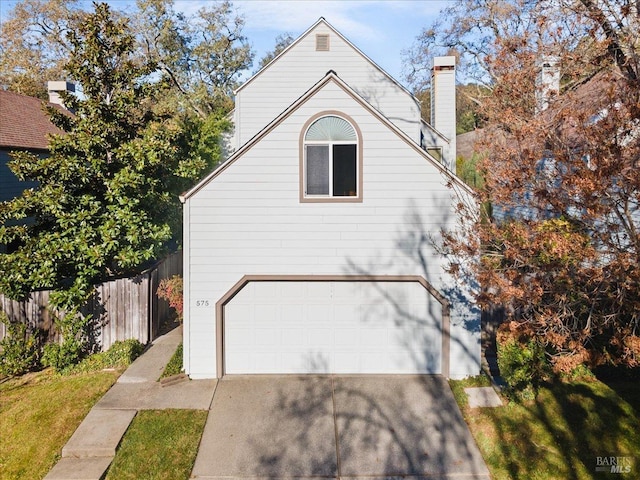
(435, 130)
(345, 39)
(330, 76)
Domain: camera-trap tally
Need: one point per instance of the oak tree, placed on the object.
(561, 151)
(202, 53)
(34, 45)
(283, 40)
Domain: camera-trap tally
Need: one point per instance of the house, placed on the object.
(24, 126)
(310, 250)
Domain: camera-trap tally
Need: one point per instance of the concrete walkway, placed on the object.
(90, 450)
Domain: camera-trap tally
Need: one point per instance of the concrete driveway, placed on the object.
(336, 427)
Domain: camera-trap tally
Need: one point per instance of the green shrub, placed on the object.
(523, 364)
(61, 356)
(20, 349)
(74, 347)
(170, 289)
(120, 354)
(123, 353)
(579, 373)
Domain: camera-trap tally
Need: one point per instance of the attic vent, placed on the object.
(322, 42)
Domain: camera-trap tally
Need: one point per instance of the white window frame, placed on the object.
(330, 198)
(330, 144)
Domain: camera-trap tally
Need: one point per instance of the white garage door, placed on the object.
(332, 327)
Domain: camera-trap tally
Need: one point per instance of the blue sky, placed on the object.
(381, 29)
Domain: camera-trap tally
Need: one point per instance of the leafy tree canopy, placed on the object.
(106, 200)
(34, 45)
(201, 54)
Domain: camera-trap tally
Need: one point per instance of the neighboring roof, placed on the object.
(593, 100)
(23, 123)
(322, 20)
(466, 144)
(330, 77)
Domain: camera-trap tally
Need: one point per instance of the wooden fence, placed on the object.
(121, 309)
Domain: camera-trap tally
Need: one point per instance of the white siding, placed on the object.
(249, 220)
(272, 91)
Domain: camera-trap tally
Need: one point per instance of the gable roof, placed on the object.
(23, 123)
(323, 21)
(328, 78)
(466, 143)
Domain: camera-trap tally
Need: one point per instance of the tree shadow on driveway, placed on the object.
(402, 425)
(379, 426)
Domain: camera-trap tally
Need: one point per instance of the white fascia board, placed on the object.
(436, 131)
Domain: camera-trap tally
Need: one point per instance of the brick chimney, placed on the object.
(443, 104)
(547, 82)
(56, 87)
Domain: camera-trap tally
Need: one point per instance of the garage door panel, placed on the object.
(241, 360)
(319, 314)
(269, 335)
(321, 338)
(346, 338)
(268, 291)
(293, 336)
(292, 313)
(266, 358)
(331, 327)
(240, 312)
(345, 311)
(321, 290)
(240, 337)
(346, 362)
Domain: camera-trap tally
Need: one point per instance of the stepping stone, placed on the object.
(483, 397)
(99, 434)
(79, 469)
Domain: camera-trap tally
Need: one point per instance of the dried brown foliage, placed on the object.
(562, 248)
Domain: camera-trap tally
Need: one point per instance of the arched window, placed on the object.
(331, 166)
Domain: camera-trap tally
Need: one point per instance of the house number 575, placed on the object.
(202, 303)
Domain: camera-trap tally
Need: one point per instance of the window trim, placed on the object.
(359, 163)
(437, 150)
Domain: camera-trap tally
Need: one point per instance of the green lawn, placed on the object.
(159, 444)
(38, 414)
(561, 434)
(40, 411)
(174, 367)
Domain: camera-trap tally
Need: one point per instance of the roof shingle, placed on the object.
(23, 123)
